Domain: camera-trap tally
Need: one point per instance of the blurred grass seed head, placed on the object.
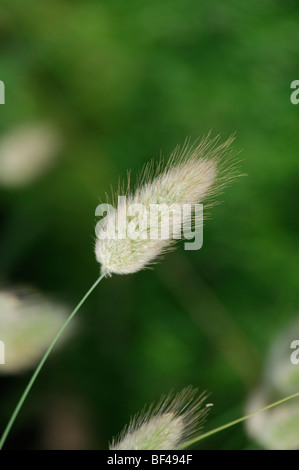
(277, 428)
(26, 152)
(28, 323)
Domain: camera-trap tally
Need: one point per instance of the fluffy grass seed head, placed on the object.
(192, 175)
(166, 426)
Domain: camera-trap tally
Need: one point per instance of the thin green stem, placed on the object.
(43, 360)
(237, 421)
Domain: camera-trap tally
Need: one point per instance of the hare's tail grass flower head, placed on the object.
(166, 426)
(193, 174)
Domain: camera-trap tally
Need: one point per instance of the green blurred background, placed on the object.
(121, 81)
